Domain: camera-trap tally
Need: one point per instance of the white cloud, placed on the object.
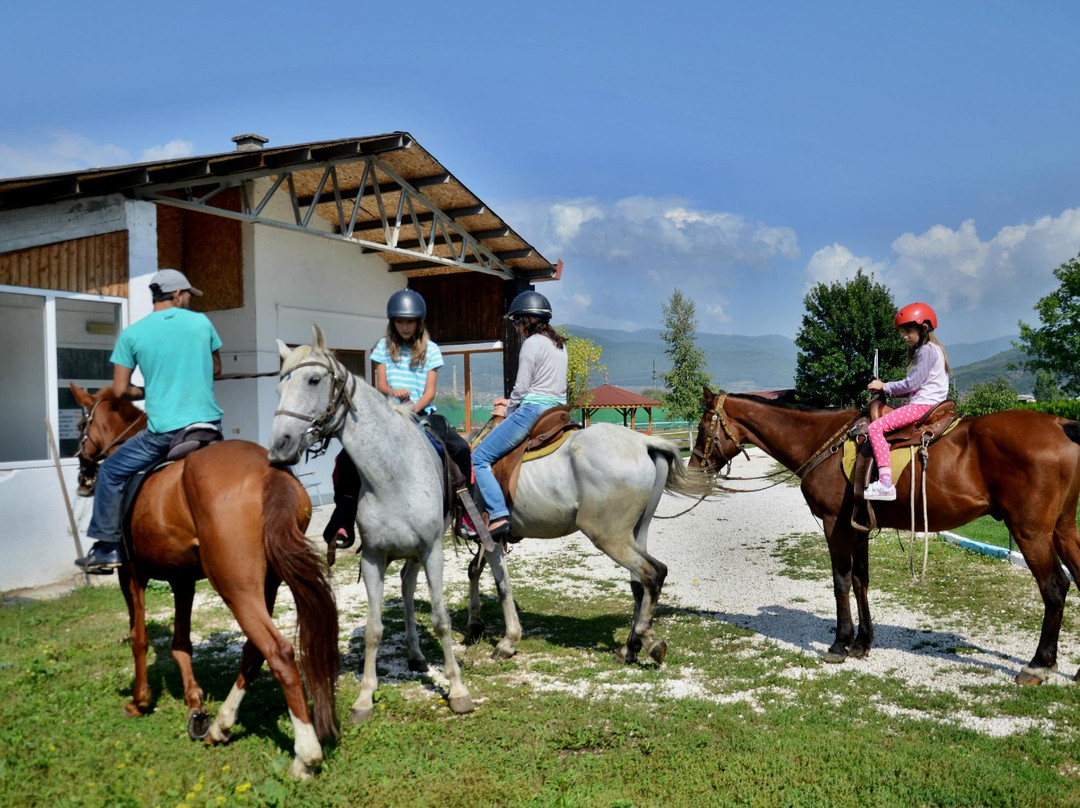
(624, 258)
(836, 263)
(62, 151)
(170, 151)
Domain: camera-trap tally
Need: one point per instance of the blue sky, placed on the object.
(738, 151)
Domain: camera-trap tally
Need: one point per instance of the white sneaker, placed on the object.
(880, 492)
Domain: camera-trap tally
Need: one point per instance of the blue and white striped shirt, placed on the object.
(399, 374)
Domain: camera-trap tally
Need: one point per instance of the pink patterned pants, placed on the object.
(901, 416)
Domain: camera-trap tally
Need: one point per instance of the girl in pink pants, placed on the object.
(926, 385)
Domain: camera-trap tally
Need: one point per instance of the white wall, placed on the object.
(291, 280)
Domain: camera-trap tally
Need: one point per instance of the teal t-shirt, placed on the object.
(173, 348)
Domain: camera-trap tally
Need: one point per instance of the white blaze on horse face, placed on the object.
(303, 395)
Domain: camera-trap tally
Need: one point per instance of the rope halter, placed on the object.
(717, 424)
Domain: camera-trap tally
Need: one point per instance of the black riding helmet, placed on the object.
(406, 304)
(532, 303)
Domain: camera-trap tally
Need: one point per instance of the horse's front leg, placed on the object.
(507, 646)
(860, 579)
(183, 597)
(1053, 586)
(840, 552)
(134, 588)
(373, 570)
(409, 572)
(458, 698)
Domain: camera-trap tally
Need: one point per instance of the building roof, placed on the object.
(608, 395)
(384, 191)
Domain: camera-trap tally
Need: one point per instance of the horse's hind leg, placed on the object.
(183, 597)
(1053, 583)
(251, 660)
(409, 573)
(134, 589)
(648, 576)
(459, 699)
(1067, 542)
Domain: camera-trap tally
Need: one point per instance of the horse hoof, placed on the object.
(858, 652)
(418, 665)
(625, 655)
(502, 652)
(198, 724)
(659, 652)
(474, 633)
(299, 770)
(460, 705)
(1029, 676)
(835, 657)
(361, 714)
(134, 709)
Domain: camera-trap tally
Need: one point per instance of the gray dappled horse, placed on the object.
(605, 481)
(401, 501)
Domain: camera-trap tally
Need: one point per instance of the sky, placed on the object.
(739, 152)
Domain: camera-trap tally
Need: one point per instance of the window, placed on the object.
(50, 339)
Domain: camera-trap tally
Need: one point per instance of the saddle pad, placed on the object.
(548, 448)
(898, 459)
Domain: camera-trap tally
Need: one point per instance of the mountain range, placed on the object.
(634, 360)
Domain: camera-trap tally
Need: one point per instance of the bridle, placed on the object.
(323, 426)
(103, 451)
(717, 424)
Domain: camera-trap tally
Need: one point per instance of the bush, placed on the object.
(990, 396)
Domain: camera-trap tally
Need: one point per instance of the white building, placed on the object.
(278, 239)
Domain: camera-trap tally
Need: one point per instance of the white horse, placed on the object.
(400, 515)
(605, 481)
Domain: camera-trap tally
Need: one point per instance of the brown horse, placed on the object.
(1020, 466)
(224, 513)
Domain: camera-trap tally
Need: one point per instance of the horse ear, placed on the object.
(707, 393)
(84, 398)
(283, 349)
(320, 339)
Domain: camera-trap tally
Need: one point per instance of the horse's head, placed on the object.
(313, 396)
(107, 422)
(716, 444)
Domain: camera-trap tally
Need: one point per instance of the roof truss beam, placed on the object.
(402, 224)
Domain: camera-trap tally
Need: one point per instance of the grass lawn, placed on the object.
(988, 530)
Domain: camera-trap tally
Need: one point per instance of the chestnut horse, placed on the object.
(224, 513)
(1020, 466)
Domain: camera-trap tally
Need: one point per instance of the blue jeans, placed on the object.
(499, 442)
(143, 450)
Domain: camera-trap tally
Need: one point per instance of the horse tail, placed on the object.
(303, 571)
(680, 479)
(1072, 431)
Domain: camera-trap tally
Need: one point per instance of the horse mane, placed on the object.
(123, 406)
(785, 404)
(298, 355)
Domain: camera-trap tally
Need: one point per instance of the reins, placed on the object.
(341, 390)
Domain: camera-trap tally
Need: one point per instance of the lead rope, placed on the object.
(923, 457)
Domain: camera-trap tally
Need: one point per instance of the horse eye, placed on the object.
(313, 380)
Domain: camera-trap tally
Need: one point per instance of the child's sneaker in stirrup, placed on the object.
(880, 492)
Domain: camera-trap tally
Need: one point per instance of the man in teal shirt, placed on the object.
(177, 351)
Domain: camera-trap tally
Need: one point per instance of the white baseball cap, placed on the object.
(173, 280)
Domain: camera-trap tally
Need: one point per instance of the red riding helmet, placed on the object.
(917, 313)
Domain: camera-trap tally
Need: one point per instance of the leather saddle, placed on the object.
(927, 430)
(552, 427)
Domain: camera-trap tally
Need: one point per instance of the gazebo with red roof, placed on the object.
(609, 397)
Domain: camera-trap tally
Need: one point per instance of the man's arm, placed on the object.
(121, 385)
(217, 363)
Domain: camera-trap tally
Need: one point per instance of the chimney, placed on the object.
(249, 142)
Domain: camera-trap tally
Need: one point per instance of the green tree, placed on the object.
(688, 374)
(987, 397)
(844, 323)
(1055, 345)
(583, 363)
(1046, 388)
